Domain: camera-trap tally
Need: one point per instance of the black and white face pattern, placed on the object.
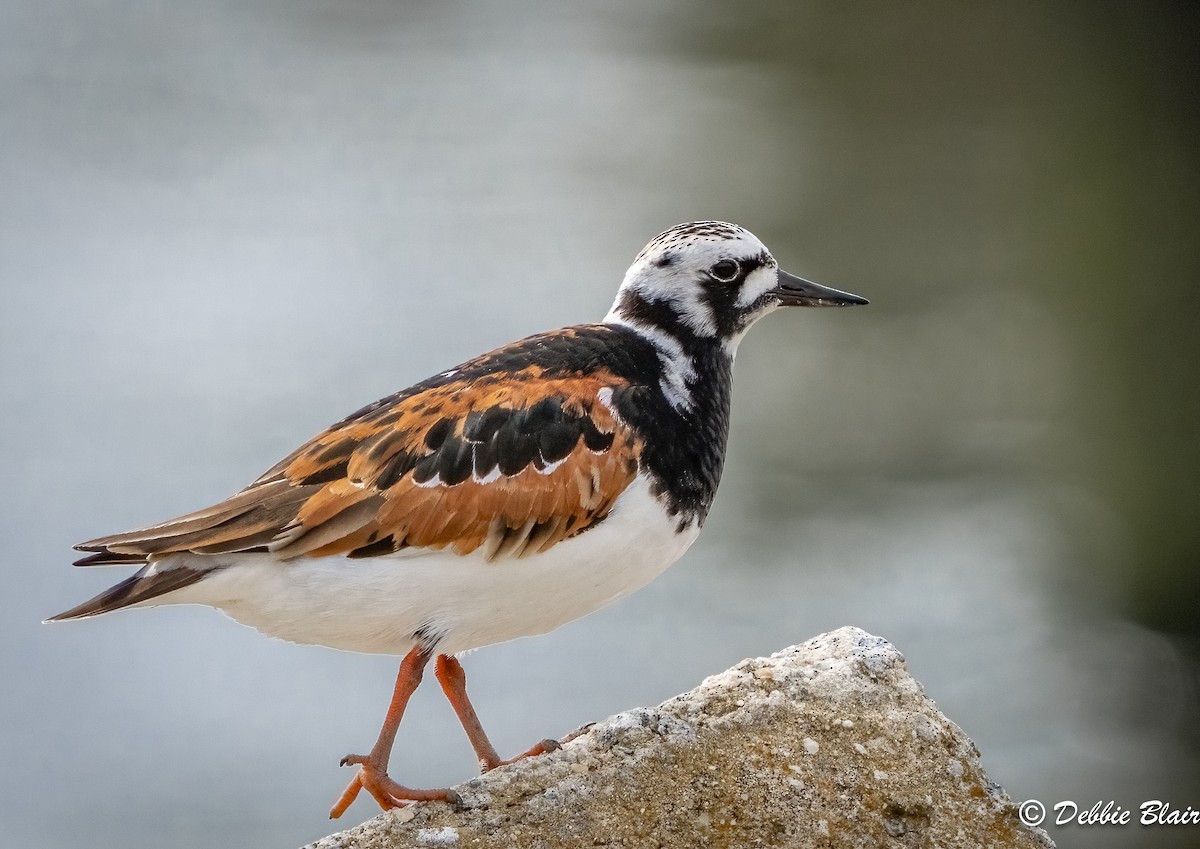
(707, 279)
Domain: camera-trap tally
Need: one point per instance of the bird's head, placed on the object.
(710, 281)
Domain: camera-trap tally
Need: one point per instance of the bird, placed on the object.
(498, 499)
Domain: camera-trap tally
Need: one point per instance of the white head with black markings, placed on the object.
(710, 281)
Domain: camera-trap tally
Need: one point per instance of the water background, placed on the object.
(225, 225)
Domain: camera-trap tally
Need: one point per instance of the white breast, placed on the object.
(377, 604)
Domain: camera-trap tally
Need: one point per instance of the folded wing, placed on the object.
(504, 465)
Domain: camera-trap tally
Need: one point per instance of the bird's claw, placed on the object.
(388, 793)
(539, 748)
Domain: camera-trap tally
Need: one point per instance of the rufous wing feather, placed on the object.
(508, 466)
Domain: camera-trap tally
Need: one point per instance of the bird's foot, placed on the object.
(389, 794)
(540, 748)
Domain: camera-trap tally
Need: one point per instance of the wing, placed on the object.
(508, 463)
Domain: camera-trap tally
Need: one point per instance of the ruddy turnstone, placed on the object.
(502, 498)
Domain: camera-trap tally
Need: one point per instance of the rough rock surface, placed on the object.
(826, 744)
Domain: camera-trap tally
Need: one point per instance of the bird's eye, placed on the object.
(726, 270)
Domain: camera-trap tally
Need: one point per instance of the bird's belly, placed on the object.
(384, 604)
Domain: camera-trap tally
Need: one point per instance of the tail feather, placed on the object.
(108, 558)
(142, 586)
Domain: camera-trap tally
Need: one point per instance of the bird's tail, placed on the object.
(146, 584)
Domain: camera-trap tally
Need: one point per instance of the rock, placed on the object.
(830, 743)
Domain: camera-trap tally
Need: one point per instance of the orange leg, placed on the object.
(372, 773)
(453, 679)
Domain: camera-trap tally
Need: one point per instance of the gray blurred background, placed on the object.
(224, 225)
